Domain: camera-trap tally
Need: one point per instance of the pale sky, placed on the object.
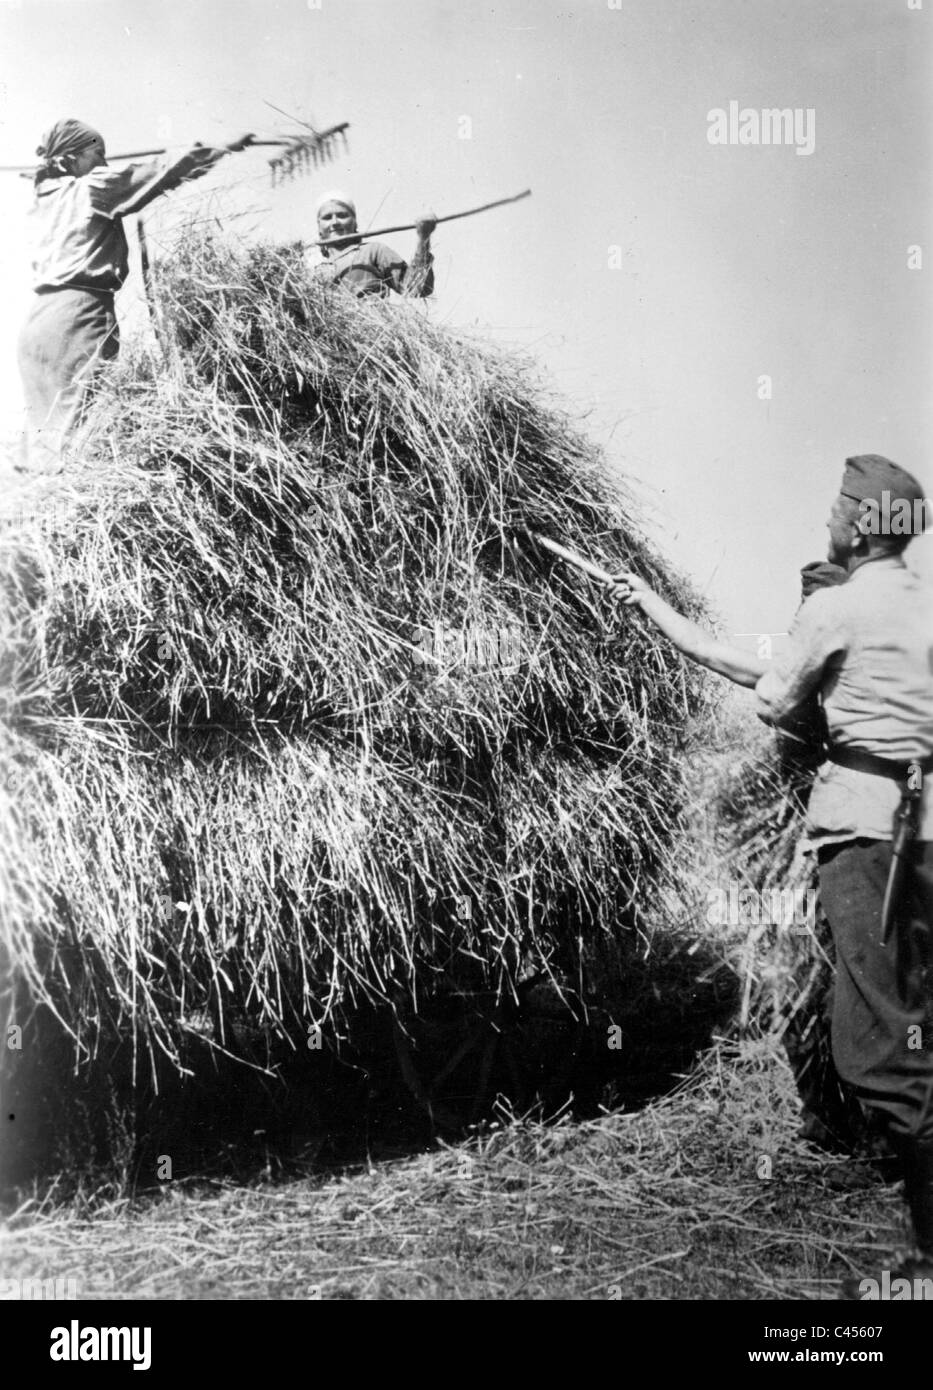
(731, 263)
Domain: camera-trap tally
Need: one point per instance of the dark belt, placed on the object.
(860, 761)
(906, 817)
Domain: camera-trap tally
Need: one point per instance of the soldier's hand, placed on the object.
(820, 574)
(629, 588)
(236, 145)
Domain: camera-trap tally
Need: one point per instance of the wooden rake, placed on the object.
(300, 153)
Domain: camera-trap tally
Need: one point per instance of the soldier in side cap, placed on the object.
(865, 647)
(370, 267)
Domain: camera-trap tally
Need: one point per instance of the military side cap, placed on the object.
(869, 476)
(891, 498)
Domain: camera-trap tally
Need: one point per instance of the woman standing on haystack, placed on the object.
(370, 268)
(80, 261)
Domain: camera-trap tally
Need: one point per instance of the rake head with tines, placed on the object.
(302, 153)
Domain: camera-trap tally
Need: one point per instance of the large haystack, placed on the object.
(295, 717)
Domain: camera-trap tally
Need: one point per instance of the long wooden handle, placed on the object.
(27, 170)
(253, 145)
(572, 558)
(146, 268)
(410, 226)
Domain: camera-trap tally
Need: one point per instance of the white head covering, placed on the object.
(334, 195)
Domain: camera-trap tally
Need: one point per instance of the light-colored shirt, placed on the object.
(866, 646)
(371, 267)
(78, 239)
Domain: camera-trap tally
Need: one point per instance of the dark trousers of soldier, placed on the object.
(882, 1024)
(882, 1014)
(67, 336)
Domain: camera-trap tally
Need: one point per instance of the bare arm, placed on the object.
(689, 637)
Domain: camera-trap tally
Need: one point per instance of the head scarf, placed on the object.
(60, 144)
(335, 196)
(345, 201)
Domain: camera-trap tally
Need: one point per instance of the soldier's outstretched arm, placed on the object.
(694, 641)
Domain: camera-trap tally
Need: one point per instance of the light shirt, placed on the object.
(78, 239)
(867, 647)
(371, 267)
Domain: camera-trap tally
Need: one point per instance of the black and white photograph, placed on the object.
(466, 665)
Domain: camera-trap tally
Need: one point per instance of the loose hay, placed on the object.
(672, 1202)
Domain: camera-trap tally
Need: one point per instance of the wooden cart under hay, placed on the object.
(270, 763)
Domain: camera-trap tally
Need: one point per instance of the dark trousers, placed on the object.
(65, 340)
(882, 1016)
